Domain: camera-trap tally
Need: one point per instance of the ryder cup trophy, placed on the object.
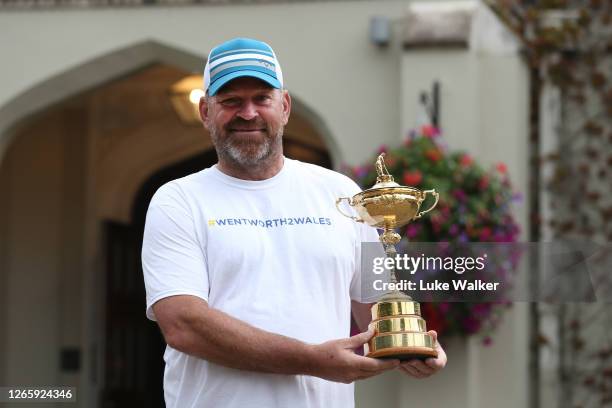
(399, 330)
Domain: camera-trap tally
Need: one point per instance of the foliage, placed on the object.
(568, 47)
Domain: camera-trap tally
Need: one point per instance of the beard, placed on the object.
(246, 151)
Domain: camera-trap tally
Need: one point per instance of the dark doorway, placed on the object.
(132, 376)
(134, 345)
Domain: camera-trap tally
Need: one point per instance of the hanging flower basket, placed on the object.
(474, 206)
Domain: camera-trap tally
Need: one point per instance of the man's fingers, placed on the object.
(420, 367)
(435, 363)
(360, 339)
(439, 362)
(375, 365)
(413, 372)
(433, 334)
(423, 369)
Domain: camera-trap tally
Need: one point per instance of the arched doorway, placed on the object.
(73, 176)
(134, 346)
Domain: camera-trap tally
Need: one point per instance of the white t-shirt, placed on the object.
(275, 254)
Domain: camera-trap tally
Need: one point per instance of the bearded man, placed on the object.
(250, 271)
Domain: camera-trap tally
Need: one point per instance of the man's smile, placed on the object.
(247, 132)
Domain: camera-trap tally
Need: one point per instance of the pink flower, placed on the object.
(483, 183)
(361, 171)
(459, 194)
(502, 168)
(444, 210)
(481, 309)
(466, 160)
(471, 324)
(412, 178)
(413, 230)
(485, 234)
(499, 237)
(433, 154)
(429, 131)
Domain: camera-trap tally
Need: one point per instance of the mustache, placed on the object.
(242, 124)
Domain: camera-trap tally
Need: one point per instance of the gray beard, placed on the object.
(245, 154)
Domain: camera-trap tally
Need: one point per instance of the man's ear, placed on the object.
(286, 106)
(203, 108)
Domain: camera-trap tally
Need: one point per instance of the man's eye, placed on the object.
(230, 102)
(263, 98)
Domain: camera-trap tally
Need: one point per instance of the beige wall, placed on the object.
(354, 94)
(33, 242)
(4, 219)
(42, 183)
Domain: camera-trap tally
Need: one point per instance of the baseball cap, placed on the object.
(241, 57)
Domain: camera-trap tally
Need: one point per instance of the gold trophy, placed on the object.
(399, 330)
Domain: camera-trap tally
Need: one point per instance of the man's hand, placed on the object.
(336, 360)
(420, 369)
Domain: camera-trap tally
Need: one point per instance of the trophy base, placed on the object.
(399, 331)
(404, 354)
(402, 346)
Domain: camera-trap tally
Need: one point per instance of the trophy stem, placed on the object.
(391, 252)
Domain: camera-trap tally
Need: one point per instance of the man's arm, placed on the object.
(191, 326)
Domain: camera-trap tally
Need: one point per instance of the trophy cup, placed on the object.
(399, 330)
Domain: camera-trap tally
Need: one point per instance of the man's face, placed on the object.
(246, 119)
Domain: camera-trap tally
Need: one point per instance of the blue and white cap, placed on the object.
(241, 57)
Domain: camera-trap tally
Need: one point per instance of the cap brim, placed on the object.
(219, 83)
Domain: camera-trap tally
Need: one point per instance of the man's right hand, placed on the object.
(336, 360)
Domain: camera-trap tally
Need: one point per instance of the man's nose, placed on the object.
(248, 111)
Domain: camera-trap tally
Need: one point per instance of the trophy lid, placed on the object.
(388, 204)
(383, 179)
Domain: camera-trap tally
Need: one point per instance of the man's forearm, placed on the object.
(222, 339)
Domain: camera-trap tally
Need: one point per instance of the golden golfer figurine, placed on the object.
(399, 330)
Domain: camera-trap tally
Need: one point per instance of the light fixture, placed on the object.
(185, 97)
(380, 30)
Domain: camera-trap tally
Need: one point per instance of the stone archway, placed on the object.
(86, 76)
(91, 74)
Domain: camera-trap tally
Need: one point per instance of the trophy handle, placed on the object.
(338, 201)
(437, 197)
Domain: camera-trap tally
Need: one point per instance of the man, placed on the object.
(250, 271)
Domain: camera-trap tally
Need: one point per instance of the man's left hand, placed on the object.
(420, 369)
